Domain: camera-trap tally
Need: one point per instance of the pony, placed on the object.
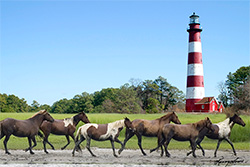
(65, 127)
(187, 132)
(222, 132)
(23, 128)
(148, 128)
(101, 132)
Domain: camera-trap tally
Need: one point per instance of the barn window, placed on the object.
(202, 107)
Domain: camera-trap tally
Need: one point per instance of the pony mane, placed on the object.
(199, 123)
(118, 124)
(166, 116)
(39, 112)
(68, 121)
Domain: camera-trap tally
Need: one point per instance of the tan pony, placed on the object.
(149, 128)
(187, 132)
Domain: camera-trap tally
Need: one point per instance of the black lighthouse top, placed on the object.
(194, 24)
(194, 19)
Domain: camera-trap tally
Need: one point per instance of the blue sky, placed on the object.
(52, 50)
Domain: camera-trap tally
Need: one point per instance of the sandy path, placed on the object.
(127, 158)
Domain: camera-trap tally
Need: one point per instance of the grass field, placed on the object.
(240, 135)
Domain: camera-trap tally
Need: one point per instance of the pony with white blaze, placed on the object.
(101, 132)
(222, 132)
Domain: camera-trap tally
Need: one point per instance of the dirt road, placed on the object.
(127, 158)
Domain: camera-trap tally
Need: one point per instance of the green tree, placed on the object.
(168, 95)
(35, 106)
(235, 91)
(12, 103)
(83, 102)
(62, 106)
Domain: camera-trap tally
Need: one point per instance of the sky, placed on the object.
(50, 50)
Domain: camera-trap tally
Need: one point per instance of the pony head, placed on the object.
(83, 117)
(129, 124)
(236, 119)
(209, 124)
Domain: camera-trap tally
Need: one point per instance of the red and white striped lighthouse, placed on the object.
(195, 82)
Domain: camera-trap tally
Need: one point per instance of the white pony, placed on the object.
(101, 132)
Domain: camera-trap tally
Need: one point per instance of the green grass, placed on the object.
(240, 135)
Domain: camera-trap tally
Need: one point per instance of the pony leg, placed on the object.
(193, 146)
(139, 144)
(161, 141)
(128, 135)
(67, 137)
(34, 141)
(118, 141)
(113, 147)
(218, 145)
(45, 140)
(77, 145)
(30, 146)
(198, 141)
(166, 147)
(228, 140)
(88, 147)
(5, 144)
(78, 148)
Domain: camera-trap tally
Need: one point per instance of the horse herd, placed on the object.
(161, 128)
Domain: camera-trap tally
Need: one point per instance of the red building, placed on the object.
(208, 104)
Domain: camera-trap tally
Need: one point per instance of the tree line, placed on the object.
(149, 96)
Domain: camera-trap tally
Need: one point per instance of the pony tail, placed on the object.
(77, 134)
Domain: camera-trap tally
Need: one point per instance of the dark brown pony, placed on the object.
(222, 132)
(148, 128)
(101, 132)
(23, 128)
(65, 127)
(187, 132)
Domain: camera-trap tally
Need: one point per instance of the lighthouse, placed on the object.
(195, 82)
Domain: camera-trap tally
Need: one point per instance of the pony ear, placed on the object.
(126, 118)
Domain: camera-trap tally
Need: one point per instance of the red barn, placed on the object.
(208, 104)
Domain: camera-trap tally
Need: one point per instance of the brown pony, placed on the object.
(65, 127)
(148, 128)
(187, 132)
(23, 128)
(222, 132)
(101, 132)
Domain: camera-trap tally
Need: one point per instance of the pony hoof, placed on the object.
(7, 153)
(32, 153)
